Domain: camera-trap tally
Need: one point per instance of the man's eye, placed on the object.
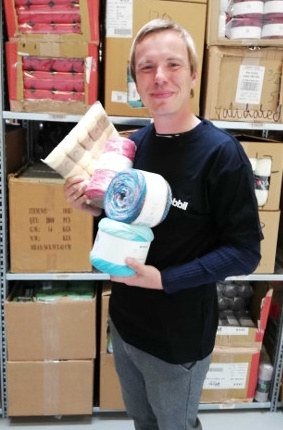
(146, 68)
(174, 65)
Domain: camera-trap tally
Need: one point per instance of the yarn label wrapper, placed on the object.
(113, 161)
(153, 209)
(106, 246)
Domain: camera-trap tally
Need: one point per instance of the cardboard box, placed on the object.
(249, 337)
(217, 15)
(15, 145)
(274, 152)
(46, 233)
(63, 329)
(110, 394)
(31, 23)
(40, 388)
(270, 225)
(122, 24)
(240, 84)
(104, 328)
(52, 77)
(232, 375)
(231, 378)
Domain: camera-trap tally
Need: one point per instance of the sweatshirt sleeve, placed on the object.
(211, 268)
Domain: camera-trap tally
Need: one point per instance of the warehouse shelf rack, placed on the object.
(6, 276)
(273, 404)
(136, 121)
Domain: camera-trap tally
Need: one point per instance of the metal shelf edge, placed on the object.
(138, 121)
(84, 276)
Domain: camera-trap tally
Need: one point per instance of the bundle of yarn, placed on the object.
(117, 240)
(134, 202)
(138, 197)
(262, 171)
(78, 153)
(117, 155)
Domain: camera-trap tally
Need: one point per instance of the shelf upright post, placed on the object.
(278, 366)
(3, 228)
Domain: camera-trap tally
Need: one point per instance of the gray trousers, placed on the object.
(158, 395)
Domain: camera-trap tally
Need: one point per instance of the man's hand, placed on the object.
(146, 276)
(74, 191)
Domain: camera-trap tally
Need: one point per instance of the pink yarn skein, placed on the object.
(117, 155)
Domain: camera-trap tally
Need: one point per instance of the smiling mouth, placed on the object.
(162, 95)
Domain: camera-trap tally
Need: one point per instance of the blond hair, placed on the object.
(159, 25)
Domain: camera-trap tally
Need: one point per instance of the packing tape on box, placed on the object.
(117, 155)
(79, 151)
(130, 241)
(138, 197)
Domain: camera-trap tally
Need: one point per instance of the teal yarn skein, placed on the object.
(117, 240)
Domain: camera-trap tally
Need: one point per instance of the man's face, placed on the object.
(163, 75)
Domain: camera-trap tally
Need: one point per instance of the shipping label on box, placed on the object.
(52, 77)
(240, 84)
(46, 233)
(74, 21)
(232, 375)
(123, 20)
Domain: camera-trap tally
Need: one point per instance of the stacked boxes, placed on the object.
(244, 23)
(268, 189)
(243, 82)
(51, 347)
(110, 395)
(232, 375)
(67, 21)
(52, 55)
(123, 20)
(247, 63)
(46, 233)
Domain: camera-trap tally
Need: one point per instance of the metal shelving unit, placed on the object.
(3, 250)
(273, 404)
(6, 276)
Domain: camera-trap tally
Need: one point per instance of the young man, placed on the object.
(164, 318)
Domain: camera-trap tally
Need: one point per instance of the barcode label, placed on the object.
(122, 32)
(119, 18)
(249, 86)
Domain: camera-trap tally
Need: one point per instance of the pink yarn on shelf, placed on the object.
(118, 154)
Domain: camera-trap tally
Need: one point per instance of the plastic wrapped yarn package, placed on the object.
(79, 151)
(262, 171)
(234, 300)
(138, 197)
(128, 239)
(118, 154)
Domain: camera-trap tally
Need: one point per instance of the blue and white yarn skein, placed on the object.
(138, 197)
(115, 241)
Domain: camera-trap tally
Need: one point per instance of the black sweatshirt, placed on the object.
(212, 231)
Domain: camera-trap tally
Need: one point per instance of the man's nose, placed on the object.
(160, 74)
